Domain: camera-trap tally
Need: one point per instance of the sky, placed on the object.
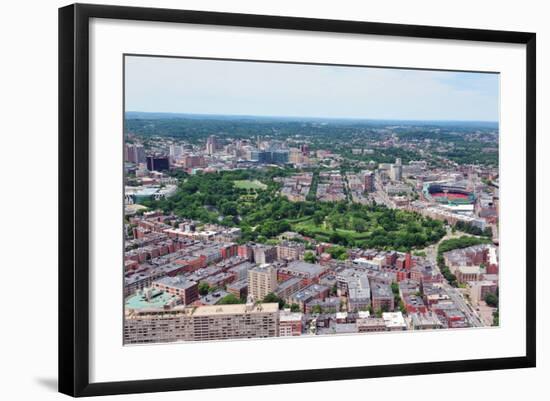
(195, 86)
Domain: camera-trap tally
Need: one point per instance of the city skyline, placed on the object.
(246, 88)
(269, 200)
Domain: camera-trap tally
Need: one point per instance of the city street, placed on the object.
(454, 294)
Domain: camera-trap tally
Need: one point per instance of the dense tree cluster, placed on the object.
(491, 300)
(460, 242)
(272, 298)
(474, 230)
(263, 214)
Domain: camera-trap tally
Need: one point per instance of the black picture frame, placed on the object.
(74, 198)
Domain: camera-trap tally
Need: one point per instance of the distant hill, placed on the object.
(140, 115)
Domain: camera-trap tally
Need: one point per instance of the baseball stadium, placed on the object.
(448, 194)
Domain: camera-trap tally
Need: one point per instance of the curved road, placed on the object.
(455, 295)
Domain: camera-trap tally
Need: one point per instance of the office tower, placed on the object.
(158, 163)
(368, 181)
(396, 170)
(211, 144)
(176, 151)
(134, 153)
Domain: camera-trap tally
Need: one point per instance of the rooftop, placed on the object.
(469, 269)
(288, 283)
(380, 290)
(287, 316)
(235, 309)
(394, 319)
(150, 298)
(311, 269)
(176, 282)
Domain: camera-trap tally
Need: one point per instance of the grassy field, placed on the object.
(248, 184)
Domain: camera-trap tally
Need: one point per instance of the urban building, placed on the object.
(264, 254)
(370, 324)
(425, 321)
(396, 170)
(211, 144)
(158, 163)
(238, 288)
(291, 323)
(287, 250)
(262, 280)
(134, 153)
(382, 297)
(202, 323)
(186, 289)
(368, 181)
(394, 321)
(309, 272)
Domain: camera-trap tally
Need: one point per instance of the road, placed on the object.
(463, 305)
(455, 295)
(381, 197)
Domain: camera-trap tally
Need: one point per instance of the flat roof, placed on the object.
(381, 290)
(235, 309)
(288, 283)
(238, 284)
(469, 269)
(157, 300)
(286, 316)
(176, 282)
(394, 319)
(304, 267)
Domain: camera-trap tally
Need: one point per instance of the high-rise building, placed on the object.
(295, 156)
(194, 161)
(176, 151)
(211, 144)
(396, 170)
(368, 181)
(134, 153)
(158, 163)
(261, 281)
(202, 323)
(279, 156)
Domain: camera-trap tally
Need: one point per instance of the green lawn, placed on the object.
(249, 184)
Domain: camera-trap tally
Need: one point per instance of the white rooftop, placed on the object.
(394, 319)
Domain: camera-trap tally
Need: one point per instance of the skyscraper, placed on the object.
(211, 144)
(396, 170)
(368, 181)
(158, 163)
(176, 151)
(134, 153)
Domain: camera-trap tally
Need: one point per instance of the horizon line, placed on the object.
(309, 117)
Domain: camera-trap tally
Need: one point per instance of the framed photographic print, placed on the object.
(296, 199)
